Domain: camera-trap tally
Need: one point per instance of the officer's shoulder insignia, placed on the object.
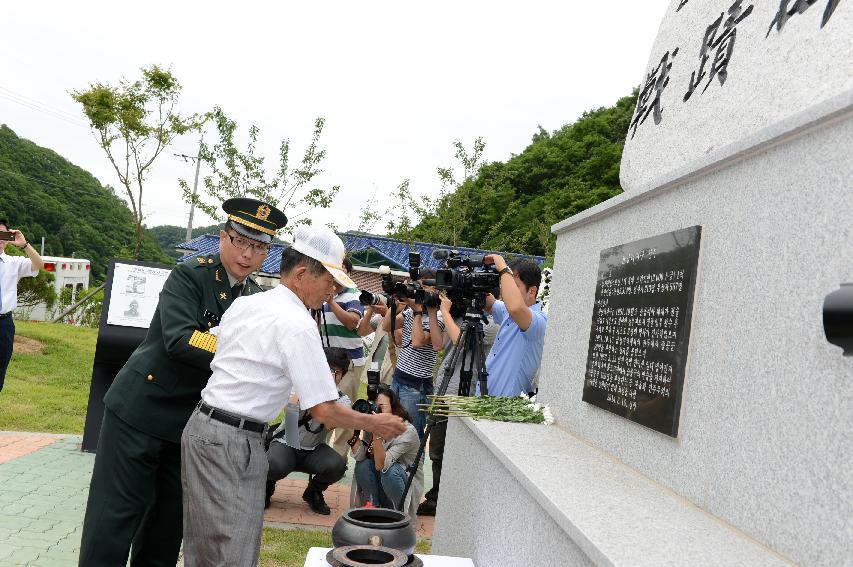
(210, 260)
(200, 260)
(203, 341)
(223, 296)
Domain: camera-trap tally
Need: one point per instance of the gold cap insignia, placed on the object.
(200, 260)
(222, 295)
(210, 260)
(263, 212)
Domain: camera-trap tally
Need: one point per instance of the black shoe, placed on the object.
(315, 501)
(269, 492)
(427, 508)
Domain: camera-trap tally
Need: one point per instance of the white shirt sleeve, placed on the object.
(23, 267)
(306, 365)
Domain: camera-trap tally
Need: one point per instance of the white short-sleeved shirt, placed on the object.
(12, 269)
(268, 344)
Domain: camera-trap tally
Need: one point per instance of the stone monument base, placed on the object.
(521, 494)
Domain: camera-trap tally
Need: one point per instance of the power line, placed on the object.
(42, 108)
(45, 109)
(44, 182)
(39, 103)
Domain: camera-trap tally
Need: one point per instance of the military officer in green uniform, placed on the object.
(135, 495)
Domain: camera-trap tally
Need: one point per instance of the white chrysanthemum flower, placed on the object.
(549, 417)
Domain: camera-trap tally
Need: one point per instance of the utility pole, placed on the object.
(195, 190)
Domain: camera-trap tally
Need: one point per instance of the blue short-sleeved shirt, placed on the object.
(516, 354)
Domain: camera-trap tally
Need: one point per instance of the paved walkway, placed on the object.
(45, 483)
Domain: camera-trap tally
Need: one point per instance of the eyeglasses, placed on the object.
(244, 244)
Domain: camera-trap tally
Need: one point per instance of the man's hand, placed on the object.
(446, 304)
(386, 425)
(495, 259)
(19, 241)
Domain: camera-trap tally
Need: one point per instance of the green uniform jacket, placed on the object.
(161, 383)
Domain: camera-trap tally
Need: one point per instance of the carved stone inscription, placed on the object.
(641, 326)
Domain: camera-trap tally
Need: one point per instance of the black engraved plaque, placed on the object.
(641, 328)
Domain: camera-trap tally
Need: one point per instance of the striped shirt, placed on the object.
(338, 335)
(417, 362)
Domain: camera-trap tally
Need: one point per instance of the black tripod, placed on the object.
(467, 350)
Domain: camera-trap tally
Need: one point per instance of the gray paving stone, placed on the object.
(42, 505)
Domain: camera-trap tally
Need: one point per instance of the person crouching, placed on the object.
(299, 444)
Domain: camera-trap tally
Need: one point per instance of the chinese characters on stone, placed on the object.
(724, 43)
(715, 54)
(656, 82)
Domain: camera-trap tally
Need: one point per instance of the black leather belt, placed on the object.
(232, 420)
(4, 315)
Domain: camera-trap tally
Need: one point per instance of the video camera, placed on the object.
(412, 289)
(465, 277)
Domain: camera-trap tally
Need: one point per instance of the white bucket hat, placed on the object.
(326, 247)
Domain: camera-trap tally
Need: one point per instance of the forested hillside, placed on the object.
(43, 194)
(512, 205)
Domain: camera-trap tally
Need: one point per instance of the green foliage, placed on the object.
(512, 205)
(134, 122)
(44, 195)
(237, 173)
(32, 291)
(89, 314)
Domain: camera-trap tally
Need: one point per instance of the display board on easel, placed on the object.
(131, 294)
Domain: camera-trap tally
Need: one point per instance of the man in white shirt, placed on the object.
(267, 345)
(12, 269)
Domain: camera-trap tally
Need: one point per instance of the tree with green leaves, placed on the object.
(242, 173)
(512, 205)
(133, 122)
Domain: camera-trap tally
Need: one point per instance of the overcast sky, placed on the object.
(396, 81)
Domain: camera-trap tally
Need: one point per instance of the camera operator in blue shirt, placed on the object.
(517, 352)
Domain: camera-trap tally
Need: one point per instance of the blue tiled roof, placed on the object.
(395, 250)
(398, 250)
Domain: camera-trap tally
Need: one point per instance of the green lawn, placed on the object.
(49, 391)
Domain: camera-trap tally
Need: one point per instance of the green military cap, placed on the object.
(253, 218)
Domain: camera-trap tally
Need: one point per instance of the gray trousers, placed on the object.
(223, 472)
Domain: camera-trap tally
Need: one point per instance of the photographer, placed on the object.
(299, 444)
(419, 334)
(515, 357)
(12, 269)
(376, 340)
(381, 463)
(339, 328)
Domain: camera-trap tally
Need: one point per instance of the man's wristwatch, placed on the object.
(24, 245)
(505, 270)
